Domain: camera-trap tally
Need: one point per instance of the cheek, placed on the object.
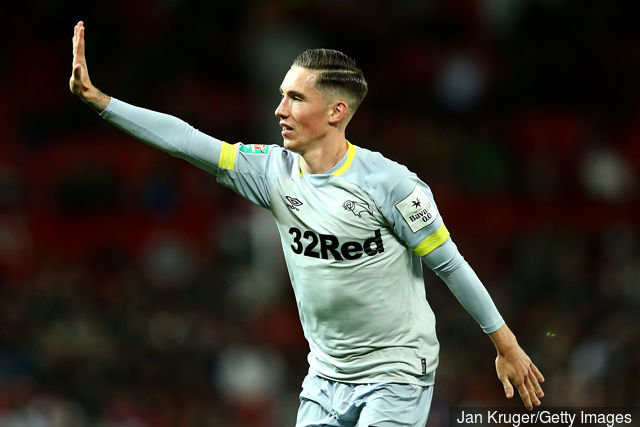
(309, 120)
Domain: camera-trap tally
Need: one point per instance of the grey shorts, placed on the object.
(331, 403)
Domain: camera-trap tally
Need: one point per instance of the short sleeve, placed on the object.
(413, 214)
(251, 170)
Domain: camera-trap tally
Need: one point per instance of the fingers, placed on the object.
(78, 42)
(537, 373)
(529, 390)
(80, 48)
(508, 388)
(517, 369)
(532, 392)
(527, 384)
(534, 379)
(79, 81)
(524, 395)
(76, 29)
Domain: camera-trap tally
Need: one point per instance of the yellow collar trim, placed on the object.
(351, 153)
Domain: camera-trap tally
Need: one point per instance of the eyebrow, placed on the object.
(293, 93)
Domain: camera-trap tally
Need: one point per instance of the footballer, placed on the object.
(356, 228)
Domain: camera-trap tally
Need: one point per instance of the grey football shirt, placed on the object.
(353, 240)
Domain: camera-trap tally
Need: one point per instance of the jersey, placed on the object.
(352, 240)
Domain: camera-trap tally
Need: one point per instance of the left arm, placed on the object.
(513, 366)
(411, 210)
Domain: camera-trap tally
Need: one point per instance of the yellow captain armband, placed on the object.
(432, 242)
(228, 156)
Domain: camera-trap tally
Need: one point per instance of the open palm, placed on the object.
(79, 83)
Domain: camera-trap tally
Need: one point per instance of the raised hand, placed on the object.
(80, 83)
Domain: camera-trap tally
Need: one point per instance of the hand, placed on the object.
(515, 367)
(79, 83)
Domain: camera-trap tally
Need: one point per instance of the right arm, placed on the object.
(161, 131)
(250, 171)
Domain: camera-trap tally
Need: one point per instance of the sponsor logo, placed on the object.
(358, 208)
(255, 148)
(423, 215)
(327, 246)
(417, 209)
(293, 203)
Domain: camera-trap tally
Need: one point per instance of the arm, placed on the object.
(247, 170)
(161, 131)
(512, 363)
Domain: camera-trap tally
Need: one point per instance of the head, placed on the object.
(320, 94)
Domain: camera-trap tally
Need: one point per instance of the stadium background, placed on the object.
(135, 291)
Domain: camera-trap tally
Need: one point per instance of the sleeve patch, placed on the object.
(417, 209)
(254, 149)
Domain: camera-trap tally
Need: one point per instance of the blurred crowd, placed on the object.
(135, 291)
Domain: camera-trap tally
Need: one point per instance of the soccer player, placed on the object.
(355, 228)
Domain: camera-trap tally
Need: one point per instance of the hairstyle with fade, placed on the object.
(336, 72)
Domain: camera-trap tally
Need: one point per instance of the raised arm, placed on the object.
(80, 83)
(159, 130)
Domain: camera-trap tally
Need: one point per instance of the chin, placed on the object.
(290, 144)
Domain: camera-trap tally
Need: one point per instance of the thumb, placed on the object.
(508, 388)
(77, 71)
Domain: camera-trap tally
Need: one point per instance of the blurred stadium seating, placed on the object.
(136, 291)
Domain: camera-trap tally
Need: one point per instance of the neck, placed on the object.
(324, 156)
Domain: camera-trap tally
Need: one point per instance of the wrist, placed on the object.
(504, 340)
(95, 99)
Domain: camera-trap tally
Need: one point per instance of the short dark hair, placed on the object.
(336, 71)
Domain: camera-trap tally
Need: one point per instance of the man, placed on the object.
(355, 228)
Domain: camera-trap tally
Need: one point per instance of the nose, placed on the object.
(282, 110)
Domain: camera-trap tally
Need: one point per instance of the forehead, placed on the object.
(300, 80)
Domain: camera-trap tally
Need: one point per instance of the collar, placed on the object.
(341, 167)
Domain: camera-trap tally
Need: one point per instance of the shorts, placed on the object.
(325, 402)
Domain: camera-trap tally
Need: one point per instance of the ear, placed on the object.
(338, 112)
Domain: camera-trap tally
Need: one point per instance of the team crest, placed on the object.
(358, 208)
(254, 148)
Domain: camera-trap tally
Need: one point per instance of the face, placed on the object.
(303, 110)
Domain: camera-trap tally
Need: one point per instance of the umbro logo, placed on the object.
(293, 203)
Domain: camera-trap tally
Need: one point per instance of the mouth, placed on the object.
(286, 129)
